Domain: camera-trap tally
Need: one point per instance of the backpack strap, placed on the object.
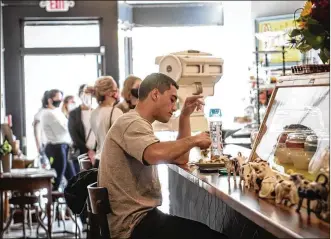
(111, 116)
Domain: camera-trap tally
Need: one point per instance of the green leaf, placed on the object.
(295, 32)
(315, 41)
(304, 47)
(312, 21)
(316, 29)
(323, 57)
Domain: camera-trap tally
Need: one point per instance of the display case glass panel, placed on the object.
(294, 137)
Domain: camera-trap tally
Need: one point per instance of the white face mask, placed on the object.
(86, 99)
(71, 106)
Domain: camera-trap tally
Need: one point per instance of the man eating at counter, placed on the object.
(128, 165)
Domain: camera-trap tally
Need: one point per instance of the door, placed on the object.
(57, 55)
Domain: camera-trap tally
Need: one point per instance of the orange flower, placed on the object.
(302, 25)
(307, 9)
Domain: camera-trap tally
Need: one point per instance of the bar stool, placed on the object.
(22, 201)
(57, 201)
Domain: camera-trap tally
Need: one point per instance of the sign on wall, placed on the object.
(57, 5)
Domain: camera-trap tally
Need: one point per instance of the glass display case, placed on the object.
(294, 135)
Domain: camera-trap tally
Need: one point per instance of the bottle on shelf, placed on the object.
(215, 130)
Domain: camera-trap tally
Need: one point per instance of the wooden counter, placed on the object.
(235, 210)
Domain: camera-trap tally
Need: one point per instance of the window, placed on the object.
(61, 34)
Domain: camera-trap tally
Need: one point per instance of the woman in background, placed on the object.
(38, 132)
(130, 93)
(80, 128)
(106, 93)
(68, 105)
(55, 126)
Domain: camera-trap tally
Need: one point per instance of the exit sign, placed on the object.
(57, 5)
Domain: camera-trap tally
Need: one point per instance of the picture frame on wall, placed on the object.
(272, 34)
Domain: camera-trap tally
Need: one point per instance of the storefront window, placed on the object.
(61, 34)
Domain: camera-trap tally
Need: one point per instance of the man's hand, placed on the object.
(192, 103)
(203, 140)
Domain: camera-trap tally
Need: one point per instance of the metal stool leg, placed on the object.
(10, 219)
(41, 223)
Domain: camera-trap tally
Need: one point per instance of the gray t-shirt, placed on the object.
(134, 188)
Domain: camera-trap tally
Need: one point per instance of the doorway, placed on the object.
(57, 55)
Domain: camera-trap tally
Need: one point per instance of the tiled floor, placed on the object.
(16, 231)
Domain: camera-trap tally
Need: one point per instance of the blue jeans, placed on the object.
(59, 153)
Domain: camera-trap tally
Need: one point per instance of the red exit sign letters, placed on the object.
(57, 5)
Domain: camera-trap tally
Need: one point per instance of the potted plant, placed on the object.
(5, 156)
(312, 29)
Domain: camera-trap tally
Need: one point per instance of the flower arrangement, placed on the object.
(313, 29)
(5, 148)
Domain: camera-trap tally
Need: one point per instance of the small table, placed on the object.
(27, 180)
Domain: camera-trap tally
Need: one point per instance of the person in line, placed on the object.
(103, 117)
(55, 126)
(39, 134)
(128, 166)
(80, 128)
(129, 93)
(68, 105)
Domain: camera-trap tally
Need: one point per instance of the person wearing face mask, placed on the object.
(80, 128)
(106, 93)
(55, 127)
(129, 93)
(68, 105)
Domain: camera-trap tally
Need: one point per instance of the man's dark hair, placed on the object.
(153, 81)
(81, 89)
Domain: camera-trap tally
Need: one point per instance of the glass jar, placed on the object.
(311, 143)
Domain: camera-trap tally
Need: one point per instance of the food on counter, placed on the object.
(204, 153)
(215, 160)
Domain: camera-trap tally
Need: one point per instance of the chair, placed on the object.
(85, 164)
(24, 202)
(82, 156)
(100, 207)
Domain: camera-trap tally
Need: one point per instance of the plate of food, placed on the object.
(215, 162)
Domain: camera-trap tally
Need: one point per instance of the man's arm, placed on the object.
(191, 104)
(140, 142)
(183, 132)
(169, 152)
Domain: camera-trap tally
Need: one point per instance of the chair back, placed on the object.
(100, 207)
(85, 164)
(82, 156)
